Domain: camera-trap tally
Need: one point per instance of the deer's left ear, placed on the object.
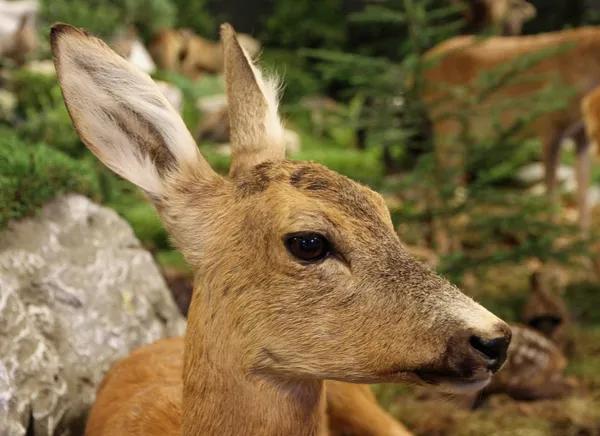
(256, 131)
(120, 114)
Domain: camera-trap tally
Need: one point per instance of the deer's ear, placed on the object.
(119, 112)
(256, 131)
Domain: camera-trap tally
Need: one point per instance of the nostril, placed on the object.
(493, 349)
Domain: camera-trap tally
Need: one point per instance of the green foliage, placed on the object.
(105, 17)
(144, 220)
(396, 120)
(194, 15)
(173, 259)
(46, 118)
(364, 167)
(297, 24)
(299, 79)
(32, 174)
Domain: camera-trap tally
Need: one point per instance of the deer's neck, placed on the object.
(221, 397)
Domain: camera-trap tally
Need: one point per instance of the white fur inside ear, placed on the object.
(270, 85)
(115, 107)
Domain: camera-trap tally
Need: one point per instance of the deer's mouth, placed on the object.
(452, 384)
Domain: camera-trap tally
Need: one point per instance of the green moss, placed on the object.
(173, 259)
(32, 174)
(46, 117)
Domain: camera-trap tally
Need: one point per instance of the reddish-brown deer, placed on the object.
(462, 60)
(299, 274)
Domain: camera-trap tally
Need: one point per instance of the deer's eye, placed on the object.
(309, 247)
(183, 54)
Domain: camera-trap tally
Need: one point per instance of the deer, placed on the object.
(299, 275)
(186, 53)
(461, 60)
(546, 310)
(22, 43)
(535, 368)
(504, 17)
(501, 17)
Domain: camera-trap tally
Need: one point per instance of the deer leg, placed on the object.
(583, 174)
(552, 143)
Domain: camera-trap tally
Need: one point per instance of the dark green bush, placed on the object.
(296, 24)
(32, 174)
(106, 17)
(295, 71)
(194, 15)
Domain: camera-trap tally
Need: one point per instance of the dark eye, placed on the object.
(309, 247)
(183, 54)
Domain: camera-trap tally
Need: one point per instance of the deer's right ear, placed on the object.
(252, 98)
(119, 112)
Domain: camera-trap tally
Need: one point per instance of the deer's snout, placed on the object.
(472, 355)
(473, 351)
(492, 349)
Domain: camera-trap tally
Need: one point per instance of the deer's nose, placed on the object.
(494, 350)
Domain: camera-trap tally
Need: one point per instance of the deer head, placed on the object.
(510, 15)
(299, 272)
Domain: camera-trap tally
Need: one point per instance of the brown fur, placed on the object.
(463, 59)
(265, 330)
(350, 407)
(20, 45)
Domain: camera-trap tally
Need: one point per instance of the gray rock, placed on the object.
(77, 292)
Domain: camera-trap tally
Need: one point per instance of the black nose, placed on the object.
(494, 350)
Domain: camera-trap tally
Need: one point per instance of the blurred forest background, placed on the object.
(352, 101)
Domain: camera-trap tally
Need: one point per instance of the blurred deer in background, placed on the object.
(22, 43)
(300, 276)
(184, 52)
(461, 60)
(506, 17)
(503, 17)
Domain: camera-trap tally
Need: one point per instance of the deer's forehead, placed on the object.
(333, 191)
